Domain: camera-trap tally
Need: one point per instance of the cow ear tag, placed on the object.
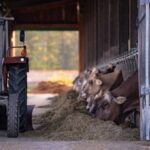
(120, 100)
(99, 82)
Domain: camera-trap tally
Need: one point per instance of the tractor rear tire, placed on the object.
(3, 118)
(13, 117)
(18, 84)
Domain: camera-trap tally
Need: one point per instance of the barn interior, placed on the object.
(108, 29)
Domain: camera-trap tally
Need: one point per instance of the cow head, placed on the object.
(91, 87)
(108, 106)
(92, 101)
(92, 84)
(81, 80)
(98, 81)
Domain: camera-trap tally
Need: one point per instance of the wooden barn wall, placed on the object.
(108, 29)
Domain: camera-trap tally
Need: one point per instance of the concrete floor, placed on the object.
(40, 102)
(31, 144)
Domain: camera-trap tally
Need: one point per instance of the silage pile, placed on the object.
(68, 119)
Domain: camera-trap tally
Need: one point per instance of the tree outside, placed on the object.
(51, 50)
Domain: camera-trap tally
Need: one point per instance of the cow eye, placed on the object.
(79, 83)
(91, 82)
(105, 105)
(96, 75)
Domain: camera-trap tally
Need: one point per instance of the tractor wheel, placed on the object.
(13, 116)
(18, 84)
(3, 118)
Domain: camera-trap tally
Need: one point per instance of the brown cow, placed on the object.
(89, 83)
(82, 79)
(120, 103)
(98, 81)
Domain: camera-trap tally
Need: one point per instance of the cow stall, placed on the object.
(117, 32)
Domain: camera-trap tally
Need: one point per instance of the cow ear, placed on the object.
(99, 95)
(94, 70)
(120, 100)
(99, 82)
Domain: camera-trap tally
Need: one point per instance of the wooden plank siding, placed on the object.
(108, 28)
(100, 34)
(81, 39)
(123, 25)
(134, 24)
(114, 28)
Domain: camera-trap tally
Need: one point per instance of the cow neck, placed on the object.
(128, 87)
(111, 80)
(130, 105)
(127, 108)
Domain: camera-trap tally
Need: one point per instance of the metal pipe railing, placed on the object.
(123, 57)
(127, 62)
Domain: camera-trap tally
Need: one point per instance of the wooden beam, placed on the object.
(20, 4)
(44, 6)
(26, 3)
(47, 26)
(81, 41)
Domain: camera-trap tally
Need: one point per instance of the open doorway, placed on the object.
(53, 62)
(53, 58)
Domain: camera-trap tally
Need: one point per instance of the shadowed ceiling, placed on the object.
(43, 13)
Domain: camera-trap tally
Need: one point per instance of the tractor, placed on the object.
(13, 82)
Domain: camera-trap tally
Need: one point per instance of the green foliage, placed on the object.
(51, 49)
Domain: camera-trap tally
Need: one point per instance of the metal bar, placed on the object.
(144, 75)
(142, 2)
(1, 51)
(130, 12)
(7, 18)
(6, 36)
(142, 18)
(147, 79)
(4, 102)
(121, 58)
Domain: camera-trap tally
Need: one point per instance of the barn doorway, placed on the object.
(54, 63)
(53, 54)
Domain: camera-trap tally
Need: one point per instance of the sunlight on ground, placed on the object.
(55, 81)
(62, 78)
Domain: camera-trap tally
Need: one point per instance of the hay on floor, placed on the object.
(68, 119)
